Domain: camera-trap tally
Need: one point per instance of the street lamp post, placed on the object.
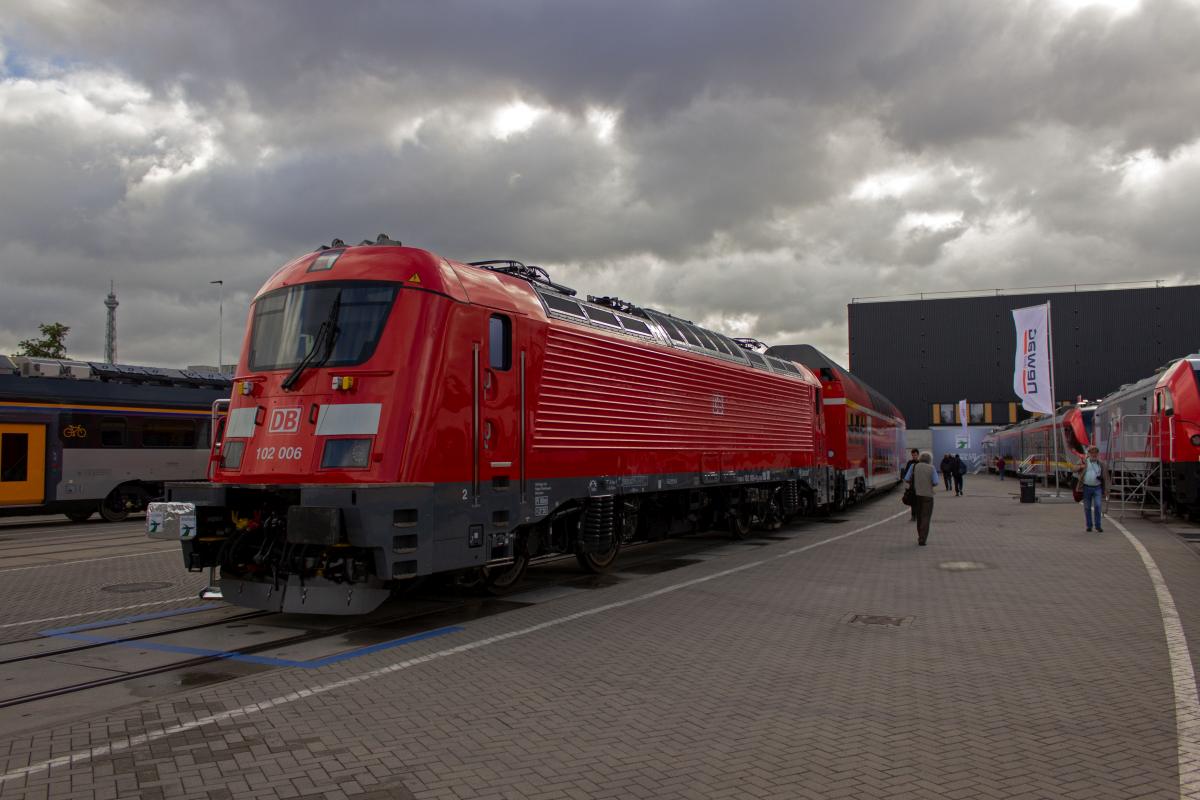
(220, 323)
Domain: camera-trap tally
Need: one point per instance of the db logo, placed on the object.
(284, 420)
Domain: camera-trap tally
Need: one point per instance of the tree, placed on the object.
(51, 345)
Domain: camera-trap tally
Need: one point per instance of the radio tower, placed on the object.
(110, 330)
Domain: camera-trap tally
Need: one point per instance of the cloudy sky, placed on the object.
(749, 165)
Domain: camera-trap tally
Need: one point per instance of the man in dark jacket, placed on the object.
(960, 469)
(1093, 474)
(915, 458)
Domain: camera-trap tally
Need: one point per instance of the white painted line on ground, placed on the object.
(97, 611)
(90, 560)
(120, 746)
(1183, 677)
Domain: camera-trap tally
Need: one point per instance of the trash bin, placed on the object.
(1028, 489)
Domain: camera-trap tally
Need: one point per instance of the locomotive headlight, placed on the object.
(343, 383)
(231, 454)
(1196, 440)
(346, 454)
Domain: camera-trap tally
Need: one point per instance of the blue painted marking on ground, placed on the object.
(375, 648)
(126, 620)
(316, 663)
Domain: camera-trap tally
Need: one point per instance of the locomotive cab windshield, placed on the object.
(292, 325)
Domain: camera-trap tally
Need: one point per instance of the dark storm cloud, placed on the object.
(750, 165)
(645, 57)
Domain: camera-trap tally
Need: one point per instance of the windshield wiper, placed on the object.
(325, 339)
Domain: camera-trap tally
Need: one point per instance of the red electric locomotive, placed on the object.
(864, 431)
(1156, 421)
(396, 414)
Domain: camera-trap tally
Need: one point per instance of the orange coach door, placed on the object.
(22, 464)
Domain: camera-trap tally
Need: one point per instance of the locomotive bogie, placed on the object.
(302, 548)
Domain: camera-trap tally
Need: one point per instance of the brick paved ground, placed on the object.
(78, 571)
(1042, 675)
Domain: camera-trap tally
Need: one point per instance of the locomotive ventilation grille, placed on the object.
(605, 393)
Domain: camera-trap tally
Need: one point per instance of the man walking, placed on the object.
(947, 468)
(923, 478)
(960, 469)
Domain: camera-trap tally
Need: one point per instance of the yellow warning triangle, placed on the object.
(416, 278)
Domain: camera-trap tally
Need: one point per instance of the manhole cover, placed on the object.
(879, 620)
(132, 588)
(962, 566)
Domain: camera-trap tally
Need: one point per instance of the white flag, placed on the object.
(963, 417)
(1031, 378)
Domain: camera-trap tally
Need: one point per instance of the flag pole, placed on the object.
(1053, 402)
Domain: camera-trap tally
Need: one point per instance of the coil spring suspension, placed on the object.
(791, 497)
(597, 528)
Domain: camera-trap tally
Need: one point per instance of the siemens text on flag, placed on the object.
(1031, 378)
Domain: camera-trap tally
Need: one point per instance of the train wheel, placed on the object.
(80, 516)
(502, 580)
(113, 508)
(772, 519)
(597, 563)
(739, 523)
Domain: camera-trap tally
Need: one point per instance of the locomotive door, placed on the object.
(22, 464)
(499, 433)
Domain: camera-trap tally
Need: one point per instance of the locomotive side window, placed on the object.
(733, 348)
(635, 325)
(500, 342)
(670, 328)
(602, 316)
(689, 333)
(784, 366)
(562, 305)
(705, 339)
(756, 359)
(720, 343)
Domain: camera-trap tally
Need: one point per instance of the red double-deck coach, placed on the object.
(864, 430)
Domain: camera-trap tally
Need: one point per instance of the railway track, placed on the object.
(116, 678)
(350, 625)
